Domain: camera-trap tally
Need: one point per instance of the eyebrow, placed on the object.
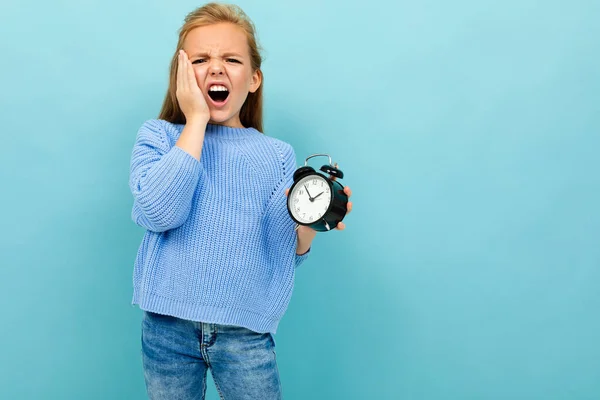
(229, 53)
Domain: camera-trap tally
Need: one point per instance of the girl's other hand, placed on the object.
(340, 226)
(190, 97)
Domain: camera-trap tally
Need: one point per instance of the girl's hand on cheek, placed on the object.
(189, 96)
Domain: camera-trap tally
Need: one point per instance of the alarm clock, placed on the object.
(315, 200)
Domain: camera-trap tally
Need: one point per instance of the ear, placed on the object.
(256, 80)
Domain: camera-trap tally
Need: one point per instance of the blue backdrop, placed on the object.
(468, 131)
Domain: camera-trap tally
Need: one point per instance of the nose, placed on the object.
(215, 68)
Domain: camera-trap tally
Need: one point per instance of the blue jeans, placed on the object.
(177, 353)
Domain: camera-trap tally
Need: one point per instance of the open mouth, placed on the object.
(218, 93)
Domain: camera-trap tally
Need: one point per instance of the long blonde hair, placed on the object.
(251, 113)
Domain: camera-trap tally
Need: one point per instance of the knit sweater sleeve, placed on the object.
(277, 213)
(162, 179)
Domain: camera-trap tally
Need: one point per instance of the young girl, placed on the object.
(215, 270)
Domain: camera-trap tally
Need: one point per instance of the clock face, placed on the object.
(310, 199)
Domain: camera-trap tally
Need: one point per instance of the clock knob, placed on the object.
(300, 172)
(332, 171)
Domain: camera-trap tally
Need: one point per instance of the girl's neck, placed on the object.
(233, 122)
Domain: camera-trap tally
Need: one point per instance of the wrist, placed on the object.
(197, 120)
(305, 238)
(305, 232)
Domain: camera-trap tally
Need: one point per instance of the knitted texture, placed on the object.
(219, 246)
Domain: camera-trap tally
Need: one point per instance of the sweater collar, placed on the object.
(215, 131)
(228, 132)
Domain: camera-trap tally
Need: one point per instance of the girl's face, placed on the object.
(219, 53)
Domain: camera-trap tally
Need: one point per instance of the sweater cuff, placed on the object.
(300, 258)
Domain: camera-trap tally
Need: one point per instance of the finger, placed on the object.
(340, 226)
(179, 70)
(348, 191)
(349, 207)
(191, 78)
(184, 73)
(287, 191)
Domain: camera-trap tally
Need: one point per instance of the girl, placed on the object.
(215, 270)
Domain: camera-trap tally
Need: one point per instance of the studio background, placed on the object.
(467, 130)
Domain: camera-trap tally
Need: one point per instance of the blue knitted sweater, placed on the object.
(219, 245)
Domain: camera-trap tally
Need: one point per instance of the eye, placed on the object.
(234, 60)
(195, 61)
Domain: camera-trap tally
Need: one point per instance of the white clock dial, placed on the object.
(310, 187)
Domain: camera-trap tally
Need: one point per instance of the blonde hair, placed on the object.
(251, 113)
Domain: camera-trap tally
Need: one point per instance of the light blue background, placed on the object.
(468, 131)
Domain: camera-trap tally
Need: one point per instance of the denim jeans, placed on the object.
(177, 353)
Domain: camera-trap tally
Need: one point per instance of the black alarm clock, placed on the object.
(315, 200)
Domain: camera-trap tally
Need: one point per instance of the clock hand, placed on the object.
(309, 196)
(318, 195)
